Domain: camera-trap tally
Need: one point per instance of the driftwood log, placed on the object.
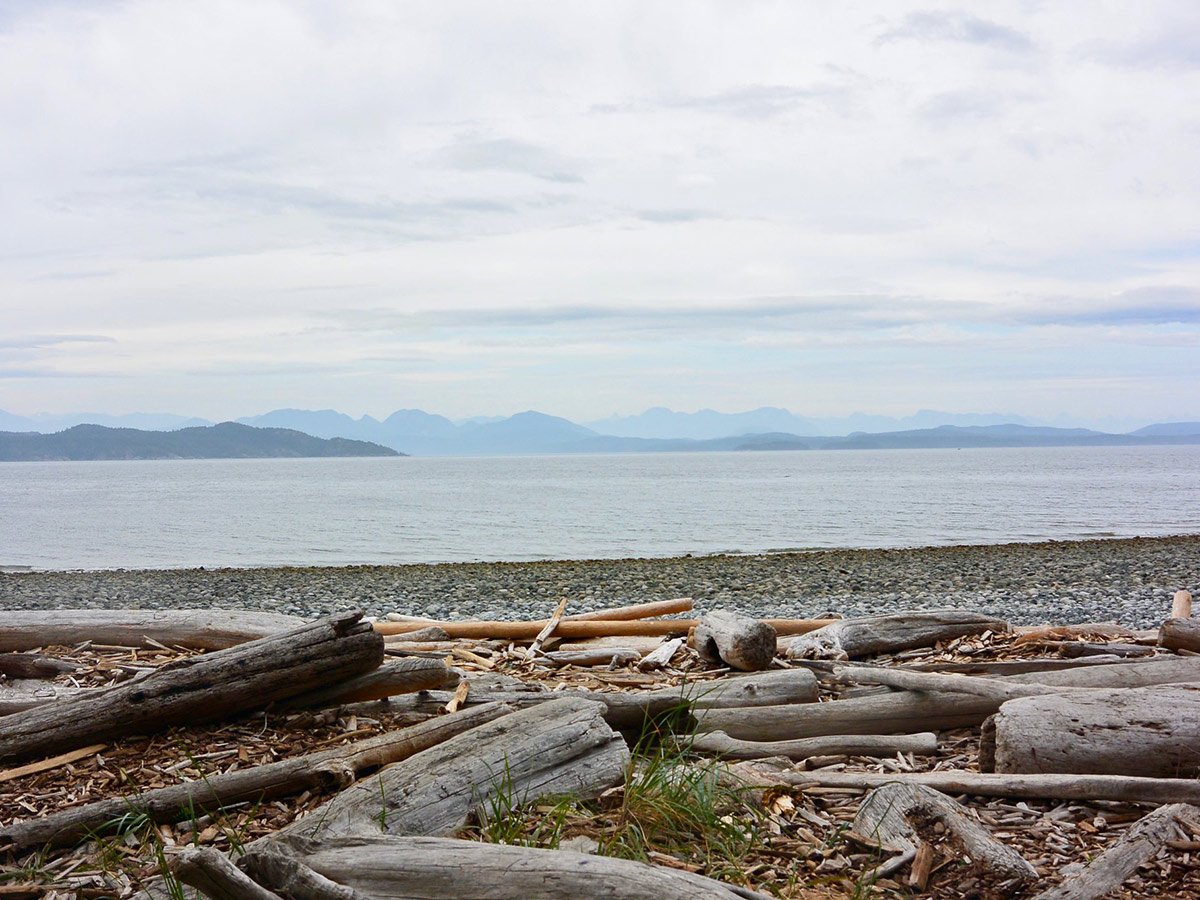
(33, 666)
(200, 688)
(1024, 787)
(559, 747)
(908, 711)
(1151, 732)
(721, 744)
(1109, 870)
(599, 656)
(868, 635)
(895, 814)
(1181, 605)
(318, 771)
(390, 868)
(738, 641)
(1180, 634)
(18, 696)
(215, 876)
(587, 628)
(630, 709)
(199, 629)
(402, 676)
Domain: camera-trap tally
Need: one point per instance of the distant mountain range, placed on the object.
(228, 440)
(417, 432)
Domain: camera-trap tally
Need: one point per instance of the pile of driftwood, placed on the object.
(886, 733)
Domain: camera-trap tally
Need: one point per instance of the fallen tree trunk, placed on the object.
(319, 771)
(559, 747)
(908, 711)
(391, 868)
(630, 709)
(1108, 871)
(199, 629)
(1019, 666)
(1180, 634)
(1153, 732)
(717, 742)
(200, 688)
(738, 641)
(895, 813)
(1023, 787)
(589, 628)
(215, 876)
(869, 635)
(402, 676)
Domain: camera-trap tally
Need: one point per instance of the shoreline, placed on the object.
(1128, 580)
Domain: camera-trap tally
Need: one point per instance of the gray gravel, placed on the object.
(1129, 581)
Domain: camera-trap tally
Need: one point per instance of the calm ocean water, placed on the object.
(341, 511)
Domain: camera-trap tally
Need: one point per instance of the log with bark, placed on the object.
(320, 771)
(907, 711)
(1120, 788)
(558, 747)
(738, 641)
(721, 744)
(390, 868)
(895, 814)
(869, 635)
(1151, 732)
(1137, 845)
(200, 688)
(198, 629)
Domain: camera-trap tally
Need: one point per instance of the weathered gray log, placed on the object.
(200, 629)
(1152, 732)
(390, 868)
(907, 711)
(849, 638)
(428, 635)
(738, 641)
(33, 666)
(600, 656)
(558, 747)
(215, 876)
(320, 771)
(1076, 649)
(661, 655)
(1005, 667)
(1025, 787)
(1180, 634)
(923, 744)
(890, 814)
(631, 709)
(1137, 845)
(401, 676)
(200, 688)
(18, 696)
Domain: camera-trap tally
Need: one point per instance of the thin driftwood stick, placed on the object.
(200, 688)
(923, 744)
(636, 611)
(201, 629)
(1025, 787)
(1108, 871)
(335, 767)
(53, 762)
(569, 628)
(548, 630)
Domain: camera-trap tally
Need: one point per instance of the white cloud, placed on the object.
(375, 205)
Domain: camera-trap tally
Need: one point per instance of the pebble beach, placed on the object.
(1129, 581)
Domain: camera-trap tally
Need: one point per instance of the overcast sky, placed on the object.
(587, 208)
